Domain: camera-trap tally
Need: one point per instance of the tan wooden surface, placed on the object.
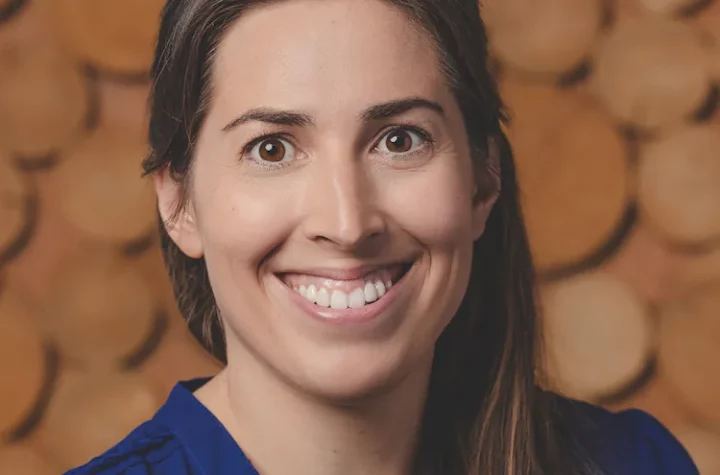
(708, 26)
(14, 194)
(667, 7)
(100, 187)
(543, 38)
(572, 171)
(118, 36)
(689, 353)
(679, 185)
(100, 309)
(651, 72)
(43, 99)
(598, 332)
(91, 412)
(22, 460)
(22, 352)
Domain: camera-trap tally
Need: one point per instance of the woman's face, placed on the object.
(331, 195)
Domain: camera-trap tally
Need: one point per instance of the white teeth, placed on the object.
(388, 284)
(370, 293)
(339, 299)
(380, 288)
(356, 299)
(322, 298)
(311, 294)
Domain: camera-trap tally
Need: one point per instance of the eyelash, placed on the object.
(425, 136)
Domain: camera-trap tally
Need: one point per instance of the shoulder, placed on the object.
(151, 449)
(628, 442)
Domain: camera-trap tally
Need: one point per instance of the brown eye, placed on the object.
(399, 141)
(272, 150)
(402, 141)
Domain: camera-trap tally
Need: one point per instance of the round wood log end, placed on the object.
(574, 185)
(101, 188)
(549, 38)
(679, 185)
(652, 72)
(599, 336)
(43, 99)
(100, 309)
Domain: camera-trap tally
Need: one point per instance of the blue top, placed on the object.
(185, 438)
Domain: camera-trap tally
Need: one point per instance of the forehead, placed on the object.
(317, 54)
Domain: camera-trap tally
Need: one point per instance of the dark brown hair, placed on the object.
(485, 413)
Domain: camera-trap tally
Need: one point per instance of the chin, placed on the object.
(348, 376)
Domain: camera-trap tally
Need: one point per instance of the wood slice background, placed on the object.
(615, 126)
(43, 99)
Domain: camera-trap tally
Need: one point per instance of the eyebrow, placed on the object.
(377, 112)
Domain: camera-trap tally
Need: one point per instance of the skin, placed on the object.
(332, 401)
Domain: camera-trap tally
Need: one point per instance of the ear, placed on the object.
(487, 188)
(180, 225)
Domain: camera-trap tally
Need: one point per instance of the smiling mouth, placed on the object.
(343, 294)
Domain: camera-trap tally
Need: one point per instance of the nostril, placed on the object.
(356, 240)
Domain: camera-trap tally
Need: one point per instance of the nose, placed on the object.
(341, 206)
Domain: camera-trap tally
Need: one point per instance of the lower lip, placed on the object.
(350, 316)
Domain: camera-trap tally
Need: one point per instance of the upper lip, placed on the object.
(348, 273)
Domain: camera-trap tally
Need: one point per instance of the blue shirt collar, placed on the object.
(201, 433)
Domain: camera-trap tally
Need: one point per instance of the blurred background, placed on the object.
(616, 127)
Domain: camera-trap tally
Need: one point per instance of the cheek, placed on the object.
(240, 222)
(434, 206)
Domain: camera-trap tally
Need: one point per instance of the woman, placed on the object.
(341, 225)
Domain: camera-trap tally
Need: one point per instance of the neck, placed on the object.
(283, 430)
